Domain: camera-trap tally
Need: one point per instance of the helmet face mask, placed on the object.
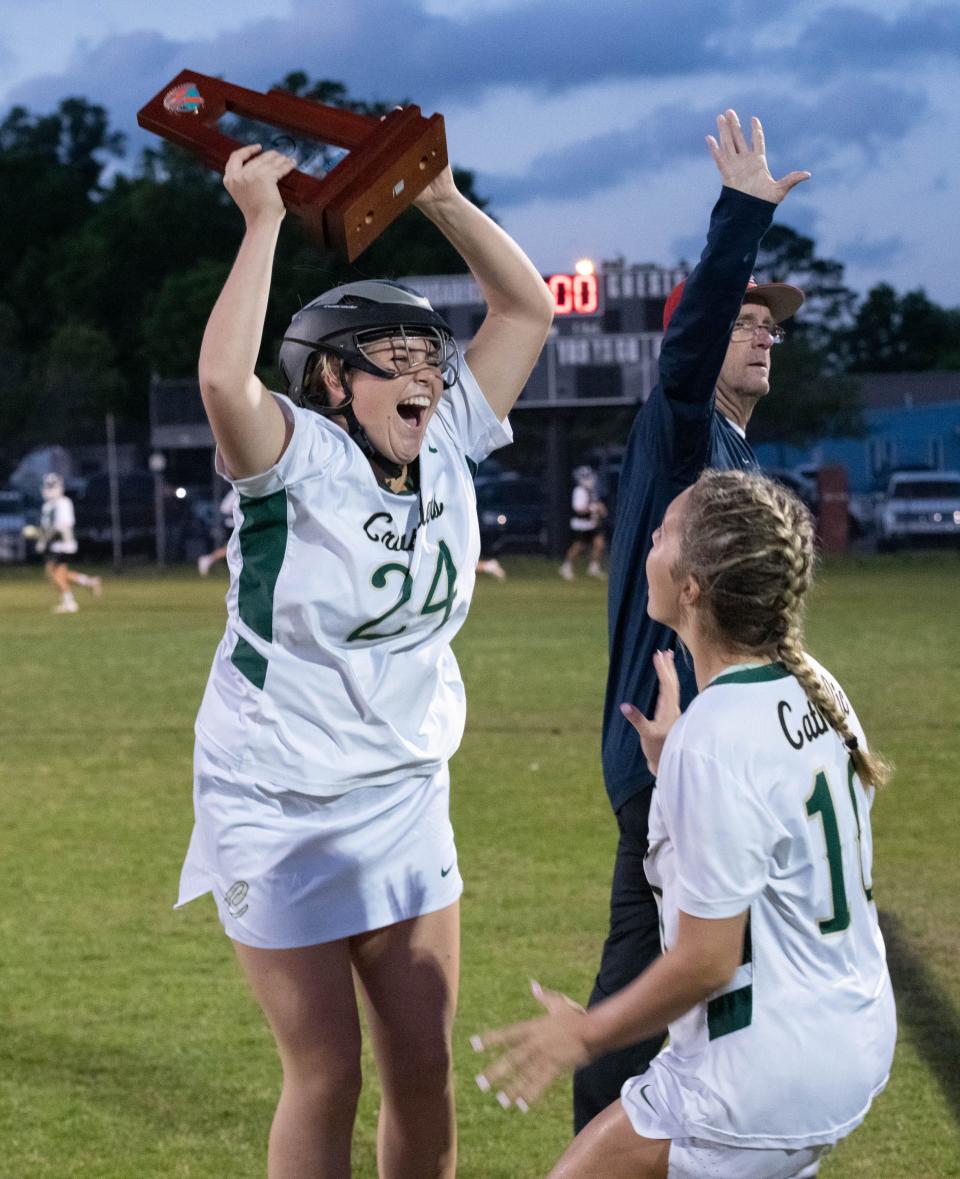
(410, 351)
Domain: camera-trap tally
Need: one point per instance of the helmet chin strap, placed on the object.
(391, 469)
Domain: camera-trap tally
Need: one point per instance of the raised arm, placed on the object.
(693, 349)
(247, 423)
(519, 304)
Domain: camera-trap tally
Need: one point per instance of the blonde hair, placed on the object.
(749, 544)
(314, 383)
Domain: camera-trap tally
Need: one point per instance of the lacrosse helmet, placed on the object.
(344, 322)
(585, 476)
(347, 319)
(52, 487)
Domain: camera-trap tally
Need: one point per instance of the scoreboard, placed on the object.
(575, 294)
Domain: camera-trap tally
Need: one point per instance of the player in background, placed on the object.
(56, 541)
(714, 367)
(586, 524)
(334, 703)
(207, 560)
(775, 987)
(492, 567)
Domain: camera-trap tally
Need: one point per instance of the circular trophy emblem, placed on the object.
(286, 145)
(183, 100)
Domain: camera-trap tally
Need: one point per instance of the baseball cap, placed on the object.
(783, 299)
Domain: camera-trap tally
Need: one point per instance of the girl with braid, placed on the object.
(775, 988)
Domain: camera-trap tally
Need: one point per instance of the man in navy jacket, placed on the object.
(714, 367)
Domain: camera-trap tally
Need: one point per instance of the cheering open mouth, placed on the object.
(413, 410)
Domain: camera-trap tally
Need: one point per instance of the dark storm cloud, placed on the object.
(393, 51)
(688, 248)
(801, 214)
(845, 36)
(853, 118)
(120, 72)
(872, 253)
(551, 46)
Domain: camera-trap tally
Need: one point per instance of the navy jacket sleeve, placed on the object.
(673, 426)
(667, 449)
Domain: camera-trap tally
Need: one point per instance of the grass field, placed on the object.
(129, 1047)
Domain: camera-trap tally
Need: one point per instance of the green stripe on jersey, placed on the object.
(730, 1012)
(747, 955)
(249, 662)
(753, 675)
(734, 1010)
(263, 543)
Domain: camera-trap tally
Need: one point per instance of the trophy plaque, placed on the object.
(355, 173)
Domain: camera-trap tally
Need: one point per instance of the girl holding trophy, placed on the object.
(334, 702)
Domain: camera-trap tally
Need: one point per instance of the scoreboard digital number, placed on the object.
(575, 294)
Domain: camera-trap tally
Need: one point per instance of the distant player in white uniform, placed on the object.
(228, 505)
(775, 986)
(586, 524)
(334, 701)
(56, 540)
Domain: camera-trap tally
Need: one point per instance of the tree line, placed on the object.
(110, 272)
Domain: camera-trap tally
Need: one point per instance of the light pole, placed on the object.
(113, 473)
(158, 464)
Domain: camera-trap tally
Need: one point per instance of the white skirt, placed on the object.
(288, 869)
(696, 1158)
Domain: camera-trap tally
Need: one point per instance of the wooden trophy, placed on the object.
(388, 162)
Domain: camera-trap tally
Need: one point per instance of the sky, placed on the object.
(584, 120)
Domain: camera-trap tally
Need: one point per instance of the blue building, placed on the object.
(913, 420)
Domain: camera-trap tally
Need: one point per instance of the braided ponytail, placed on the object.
(871, 769)
(749, 543)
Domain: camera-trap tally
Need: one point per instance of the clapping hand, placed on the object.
(538, 1051)
(653, 733)
(745, 168)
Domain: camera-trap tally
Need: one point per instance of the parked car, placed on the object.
(802, 481)
(13, 520)
(512, 514)
(803, 486)
(137, 517)
(919, 507)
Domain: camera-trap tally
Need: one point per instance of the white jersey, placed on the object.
(757, 808)
(57, 519)
(585, 516)
(335, 670)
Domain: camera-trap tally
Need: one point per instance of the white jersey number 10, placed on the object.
(820, 802)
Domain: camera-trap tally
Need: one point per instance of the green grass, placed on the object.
(129, 1046)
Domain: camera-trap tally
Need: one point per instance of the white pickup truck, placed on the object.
(919, 506)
